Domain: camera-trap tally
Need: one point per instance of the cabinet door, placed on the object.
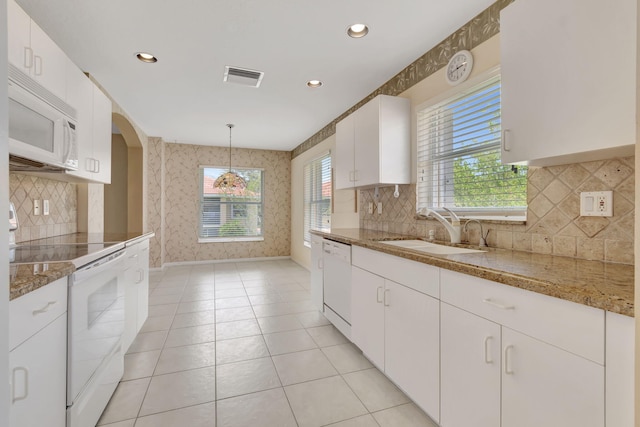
(38, 375)
(412, 345)
(316, 272)
(470, 369)
(80, 97)
(543, 385)
(553, 105)
(366, 145)
(620, 370)
(343, 159)
(130, 303)
(49, 62)
(101, 136)
(19, 37)
(143, 285)
(367, 315)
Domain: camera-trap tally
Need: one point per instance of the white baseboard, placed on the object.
(218, 261)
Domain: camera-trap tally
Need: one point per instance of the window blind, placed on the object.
(459, 166)
(230, 214)
(317, 195)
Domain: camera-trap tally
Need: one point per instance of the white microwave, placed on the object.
(37, 129)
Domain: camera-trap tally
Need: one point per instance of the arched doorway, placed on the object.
(123, 205)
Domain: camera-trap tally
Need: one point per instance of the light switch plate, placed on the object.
(36, 207)
(45, 207)
(596, 203)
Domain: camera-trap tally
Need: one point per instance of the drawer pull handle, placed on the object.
(507, 365)
(44, 309)
(15, 398)
(378, 297)
(386, 301)
(487, 353)
(498, 305)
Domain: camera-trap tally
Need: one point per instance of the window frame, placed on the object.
(307, 210)
(516, 214)
(230, 206)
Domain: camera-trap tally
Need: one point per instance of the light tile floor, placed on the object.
(241, 345)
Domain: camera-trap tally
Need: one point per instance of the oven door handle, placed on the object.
(97, 267)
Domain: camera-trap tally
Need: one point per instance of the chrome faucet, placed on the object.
(483, 237)
(452, 227)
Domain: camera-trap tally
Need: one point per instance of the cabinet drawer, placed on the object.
(415, 275)
(31, 312)
(573, 327)
(135, 252)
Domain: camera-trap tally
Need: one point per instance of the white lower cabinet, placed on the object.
(513, 358)
(472, 352)
(317, 296)
(620, 350)
(470, 369)
(367, 314)
(412, 351)
(136, 296)
(397, 327)
(543, 385)
(38, 357)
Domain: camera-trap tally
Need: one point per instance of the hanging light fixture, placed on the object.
(230, 181)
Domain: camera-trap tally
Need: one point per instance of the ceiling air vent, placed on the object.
(243, 76)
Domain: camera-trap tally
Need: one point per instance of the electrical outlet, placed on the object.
(596, 203)
(370, 208)
(36, 207)
(379, 208)
(45, 207)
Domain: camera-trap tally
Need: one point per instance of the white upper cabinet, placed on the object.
(373, 144)
(33, 52)
(94, 127)
(568, 80)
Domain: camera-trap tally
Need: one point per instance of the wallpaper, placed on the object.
(175, 168)
(154, 202)
(480, 29)
(554, 225)
(63, 202)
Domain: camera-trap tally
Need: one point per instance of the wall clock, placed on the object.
(459, 67)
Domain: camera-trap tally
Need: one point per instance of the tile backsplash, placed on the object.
(63, 205)
(553, 226)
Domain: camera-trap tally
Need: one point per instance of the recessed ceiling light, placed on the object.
(146, 57)
(314, 83)
(357, 30)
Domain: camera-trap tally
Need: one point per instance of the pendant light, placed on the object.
(230, 181)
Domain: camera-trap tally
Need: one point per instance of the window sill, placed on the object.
(230, 239)
(511, 220)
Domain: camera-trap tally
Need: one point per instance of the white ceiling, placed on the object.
(183, 98)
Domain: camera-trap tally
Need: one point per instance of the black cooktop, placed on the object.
(27, 254)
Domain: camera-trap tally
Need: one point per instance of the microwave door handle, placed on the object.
(67, 141)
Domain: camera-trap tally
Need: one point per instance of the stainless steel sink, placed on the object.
(430, 248)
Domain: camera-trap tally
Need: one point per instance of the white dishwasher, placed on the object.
(337, 284)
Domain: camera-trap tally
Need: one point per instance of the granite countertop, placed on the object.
(598, 284)
(24, 278)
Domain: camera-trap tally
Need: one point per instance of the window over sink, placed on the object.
(459, 165)
(230, 215)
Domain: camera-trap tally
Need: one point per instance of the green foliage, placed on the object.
(481, 180)
(232, 228)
